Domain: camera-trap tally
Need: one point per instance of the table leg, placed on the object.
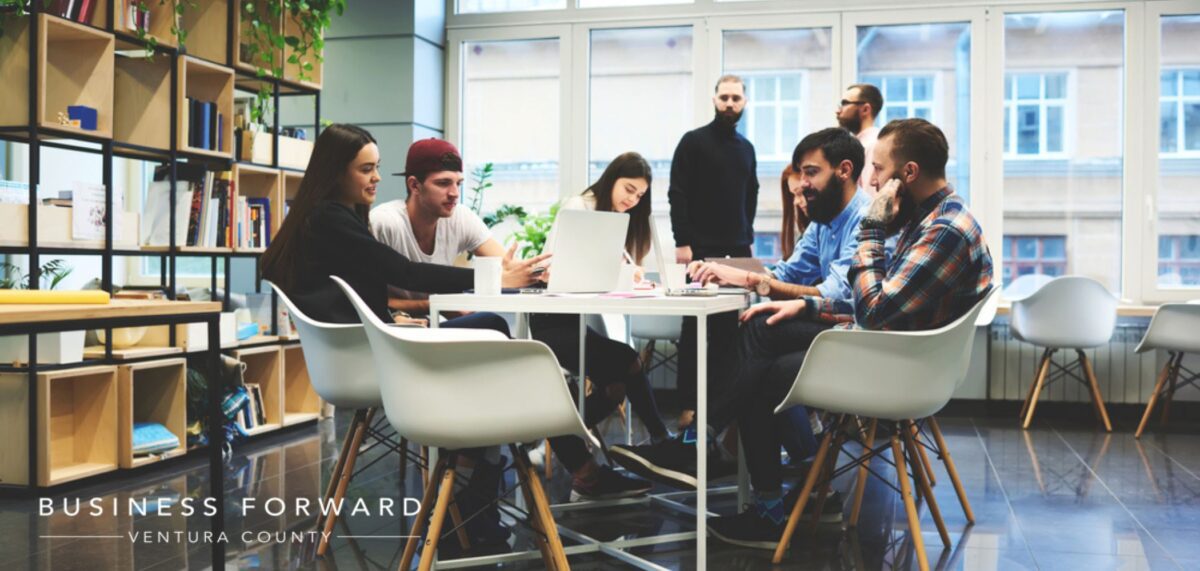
(582, 365)
(701, 442)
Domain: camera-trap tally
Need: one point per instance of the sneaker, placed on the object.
(672, 462)
(747, 529)
(609, 485)
(831, 512)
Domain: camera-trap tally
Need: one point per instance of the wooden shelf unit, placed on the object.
(54, 228)
(205, 22)
(142, 89)
(76, 428)
(205, 81)
(75, 64)
(242, 32)
(264, 365)
(300, 402)
(291, 186)
(162, 19)
(152, 391)
(257, 182)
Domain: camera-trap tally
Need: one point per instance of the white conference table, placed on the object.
(637, 303)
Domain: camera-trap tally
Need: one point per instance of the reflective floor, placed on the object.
(1059, 496)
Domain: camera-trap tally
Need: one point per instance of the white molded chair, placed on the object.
(1072, 313)
(895, 377)
(1175, 328)
(339, 363)
(470, 388)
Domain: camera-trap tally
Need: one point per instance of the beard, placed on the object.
(852, 124)
(907, 208)
(827, 203)
(728, 118)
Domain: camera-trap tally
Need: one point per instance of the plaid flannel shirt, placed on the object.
(941, 268)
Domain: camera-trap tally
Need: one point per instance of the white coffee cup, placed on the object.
(625, 279)
(677, 275)
(487, 275)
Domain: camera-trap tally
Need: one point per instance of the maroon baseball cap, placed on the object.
(431, 155)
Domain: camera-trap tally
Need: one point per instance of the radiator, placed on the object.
(1124, 376)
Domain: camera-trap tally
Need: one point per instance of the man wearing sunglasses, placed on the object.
(860, 105)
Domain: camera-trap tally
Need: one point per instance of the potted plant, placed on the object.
(53, 348)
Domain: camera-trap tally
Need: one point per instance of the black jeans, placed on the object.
(769, 358)
(722, 331)
(614, 370)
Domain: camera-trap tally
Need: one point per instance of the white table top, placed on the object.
(640, 303)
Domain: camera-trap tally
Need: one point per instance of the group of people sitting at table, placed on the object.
(900, 251)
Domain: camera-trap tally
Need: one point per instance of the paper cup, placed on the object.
(625, 279)
(487, 275)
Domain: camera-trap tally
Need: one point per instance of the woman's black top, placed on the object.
(337, 242)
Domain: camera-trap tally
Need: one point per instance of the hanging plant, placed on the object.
(265, 40)
(178, 7)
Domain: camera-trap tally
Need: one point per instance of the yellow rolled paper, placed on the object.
(31, 296)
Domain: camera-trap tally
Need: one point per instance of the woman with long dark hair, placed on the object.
(795, 211)
(612, 366)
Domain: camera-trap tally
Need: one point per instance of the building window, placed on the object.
(1034, 114)
(904, 96)
(766, 247)
(1179, 260)
(1179, 104)
(773, 116)
(1045, 255)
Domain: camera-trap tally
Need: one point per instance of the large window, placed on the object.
(1178, 201)
(510, 117)
(1058, 64)
(924, 70)
(905, 96)
(1035, 114)
(789, 94)
(1025, 255)
(641, 100)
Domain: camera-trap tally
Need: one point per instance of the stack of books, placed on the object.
(75, 10)
(251, 415)
(205, 126)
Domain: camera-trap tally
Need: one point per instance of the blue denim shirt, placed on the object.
(825, 250)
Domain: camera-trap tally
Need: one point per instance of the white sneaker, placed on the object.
(537, 456)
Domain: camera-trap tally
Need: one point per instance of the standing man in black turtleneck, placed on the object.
(713, 194)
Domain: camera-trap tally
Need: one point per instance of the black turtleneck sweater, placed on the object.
(337, 242)
(714, 188)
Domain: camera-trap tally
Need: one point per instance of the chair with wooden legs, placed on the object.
(897, 376)
(510, 390)
(338, 357)
(1175, 328)
(1069, 313)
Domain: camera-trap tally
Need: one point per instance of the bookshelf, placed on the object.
(142, 110)
(293, 71)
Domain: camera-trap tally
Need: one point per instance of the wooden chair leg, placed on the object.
(542, 504)
(445, 492)
(1037, 389)
(535, 516)
(647, 356)
(860, 486)
(410, 547)
(950, 469)
(809, 483)
(1099, 400)
(910, 506)
(922, 480)
(1032, 386)
(548, 460)
(1158, 389)
(338, 466)
(916, 434)
(830, 467)
(344, 477)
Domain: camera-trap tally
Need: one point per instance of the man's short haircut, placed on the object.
(837, 144)
(918, 141)
(730, 78)
(870, 94)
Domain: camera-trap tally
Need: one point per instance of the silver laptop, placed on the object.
(587, 249)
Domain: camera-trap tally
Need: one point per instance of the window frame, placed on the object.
(1179, 99)
(1040, 261)
(1068, 115)
(784, 150)
(935, 90)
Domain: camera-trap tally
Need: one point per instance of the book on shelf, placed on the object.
(260, 216)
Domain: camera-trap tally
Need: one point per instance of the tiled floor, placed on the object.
(1059, 496)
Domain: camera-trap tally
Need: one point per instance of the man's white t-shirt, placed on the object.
(462, 232)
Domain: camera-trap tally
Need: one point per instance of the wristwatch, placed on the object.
(763, 287)
(872, 224)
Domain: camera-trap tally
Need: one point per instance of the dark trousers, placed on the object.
(769, 358)
(722, 331)
(614, 370)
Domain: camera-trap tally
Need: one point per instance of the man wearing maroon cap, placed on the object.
(426, 226)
